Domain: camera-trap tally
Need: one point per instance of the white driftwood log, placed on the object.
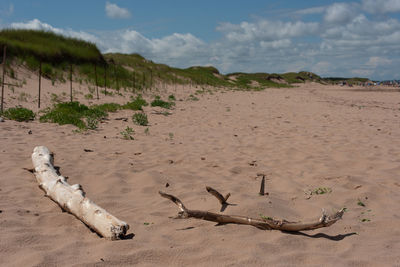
(72, 198)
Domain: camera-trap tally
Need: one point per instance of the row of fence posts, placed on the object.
(134, 80)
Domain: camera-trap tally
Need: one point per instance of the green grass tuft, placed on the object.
(19, 114)
(158, 102)
(137, 104)
(74, 113)
(140, 119)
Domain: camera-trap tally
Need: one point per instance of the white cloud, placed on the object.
(36, 24)
(339, 13)
(381, 6)
(265, 30)
(115, 12)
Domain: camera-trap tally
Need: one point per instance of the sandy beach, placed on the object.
(343, 139)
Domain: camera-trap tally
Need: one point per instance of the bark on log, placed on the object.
(265, 223)
(71, 198)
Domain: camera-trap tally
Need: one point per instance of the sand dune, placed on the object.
(301, 138)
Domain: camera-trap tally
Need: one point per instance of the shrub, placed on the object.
(136, 104)
(127, 133)
(140, 119)
(19, 114)
(73, 113)
(158, 102)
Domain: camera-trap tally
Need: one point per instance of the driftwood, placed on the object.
(262, 186)
(265, 223)
(222, 199)
(72, 199)
(215, 193)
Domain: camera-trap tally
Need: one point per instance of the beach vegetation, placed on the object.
(158, 102)
(136, 104)
(19, 114)
(140, 119)
(108, 107)
(73, 113)
(127, 133)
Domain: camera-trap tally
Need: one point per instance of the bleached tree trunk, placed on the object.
(72, 198)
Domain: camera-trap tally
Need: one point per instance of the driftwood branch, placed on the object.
(218, 195)
(72, 199)
(265, 223)
(262, 186)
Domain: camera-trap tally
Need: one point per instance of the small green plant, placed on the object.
(157, 102)
(266, 218)
(136, 103)
(89, 96)
(171, 98)
(140, 119)
(127, 133)
(321, 191)
(171, 136)
(19, 114)
(147, 131)
(360, 203)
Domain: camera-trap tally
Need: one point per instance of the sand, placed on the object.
(302, 138)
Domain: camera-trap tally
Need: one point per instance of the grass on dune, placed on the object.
(19, 114)
(74, 113)
(49, 47)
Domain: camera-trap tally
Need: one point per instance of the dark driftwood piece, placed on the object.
(218, 195)
(264, 223)
(262, 186)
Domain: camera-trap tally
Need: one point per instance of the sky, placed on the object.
(330, 38)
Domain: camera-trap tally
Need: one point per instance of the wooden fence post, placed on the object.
(40, 82)
(133, 81)
(151, 79)
(2, 80)
(70, 79)
(116, 77)
(105, 79)
(95, 75)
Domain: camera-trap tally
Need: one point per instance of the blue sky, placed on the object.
(330, 38)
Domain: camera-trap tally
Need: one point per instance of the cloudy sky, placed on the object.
(330, 38)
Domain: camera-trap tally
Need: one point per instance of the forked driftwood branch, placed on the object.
(72, 199)
(265, 223)
(218, 195)
(222, 199)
